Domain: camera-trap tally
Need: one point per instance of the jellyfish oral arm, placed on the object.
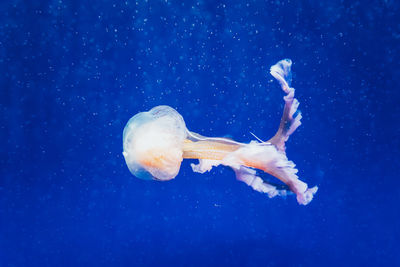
(208, 149)
(291, 116)
(244, 159)
(269, 156)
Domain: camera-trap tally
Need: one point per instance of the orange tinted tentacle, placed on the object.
(214, 150)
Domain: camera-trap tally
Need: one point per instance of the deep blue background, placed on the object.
(73, 72)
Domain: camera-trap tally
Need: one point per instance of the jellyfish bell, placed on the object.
(152, 143)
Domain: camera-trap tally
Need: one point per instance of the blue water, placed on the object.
(74, 72)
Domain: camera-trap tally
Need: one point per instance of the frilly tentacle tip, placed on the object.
(306, 197)
(288, 60)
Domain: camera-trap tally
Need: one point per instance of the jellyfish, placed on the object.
(156, 142)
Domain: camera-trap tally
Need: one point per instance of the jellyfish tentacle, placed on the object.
(281, 167)
(249, 177)
(210, 148)
(268, 158)
(291, 116)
